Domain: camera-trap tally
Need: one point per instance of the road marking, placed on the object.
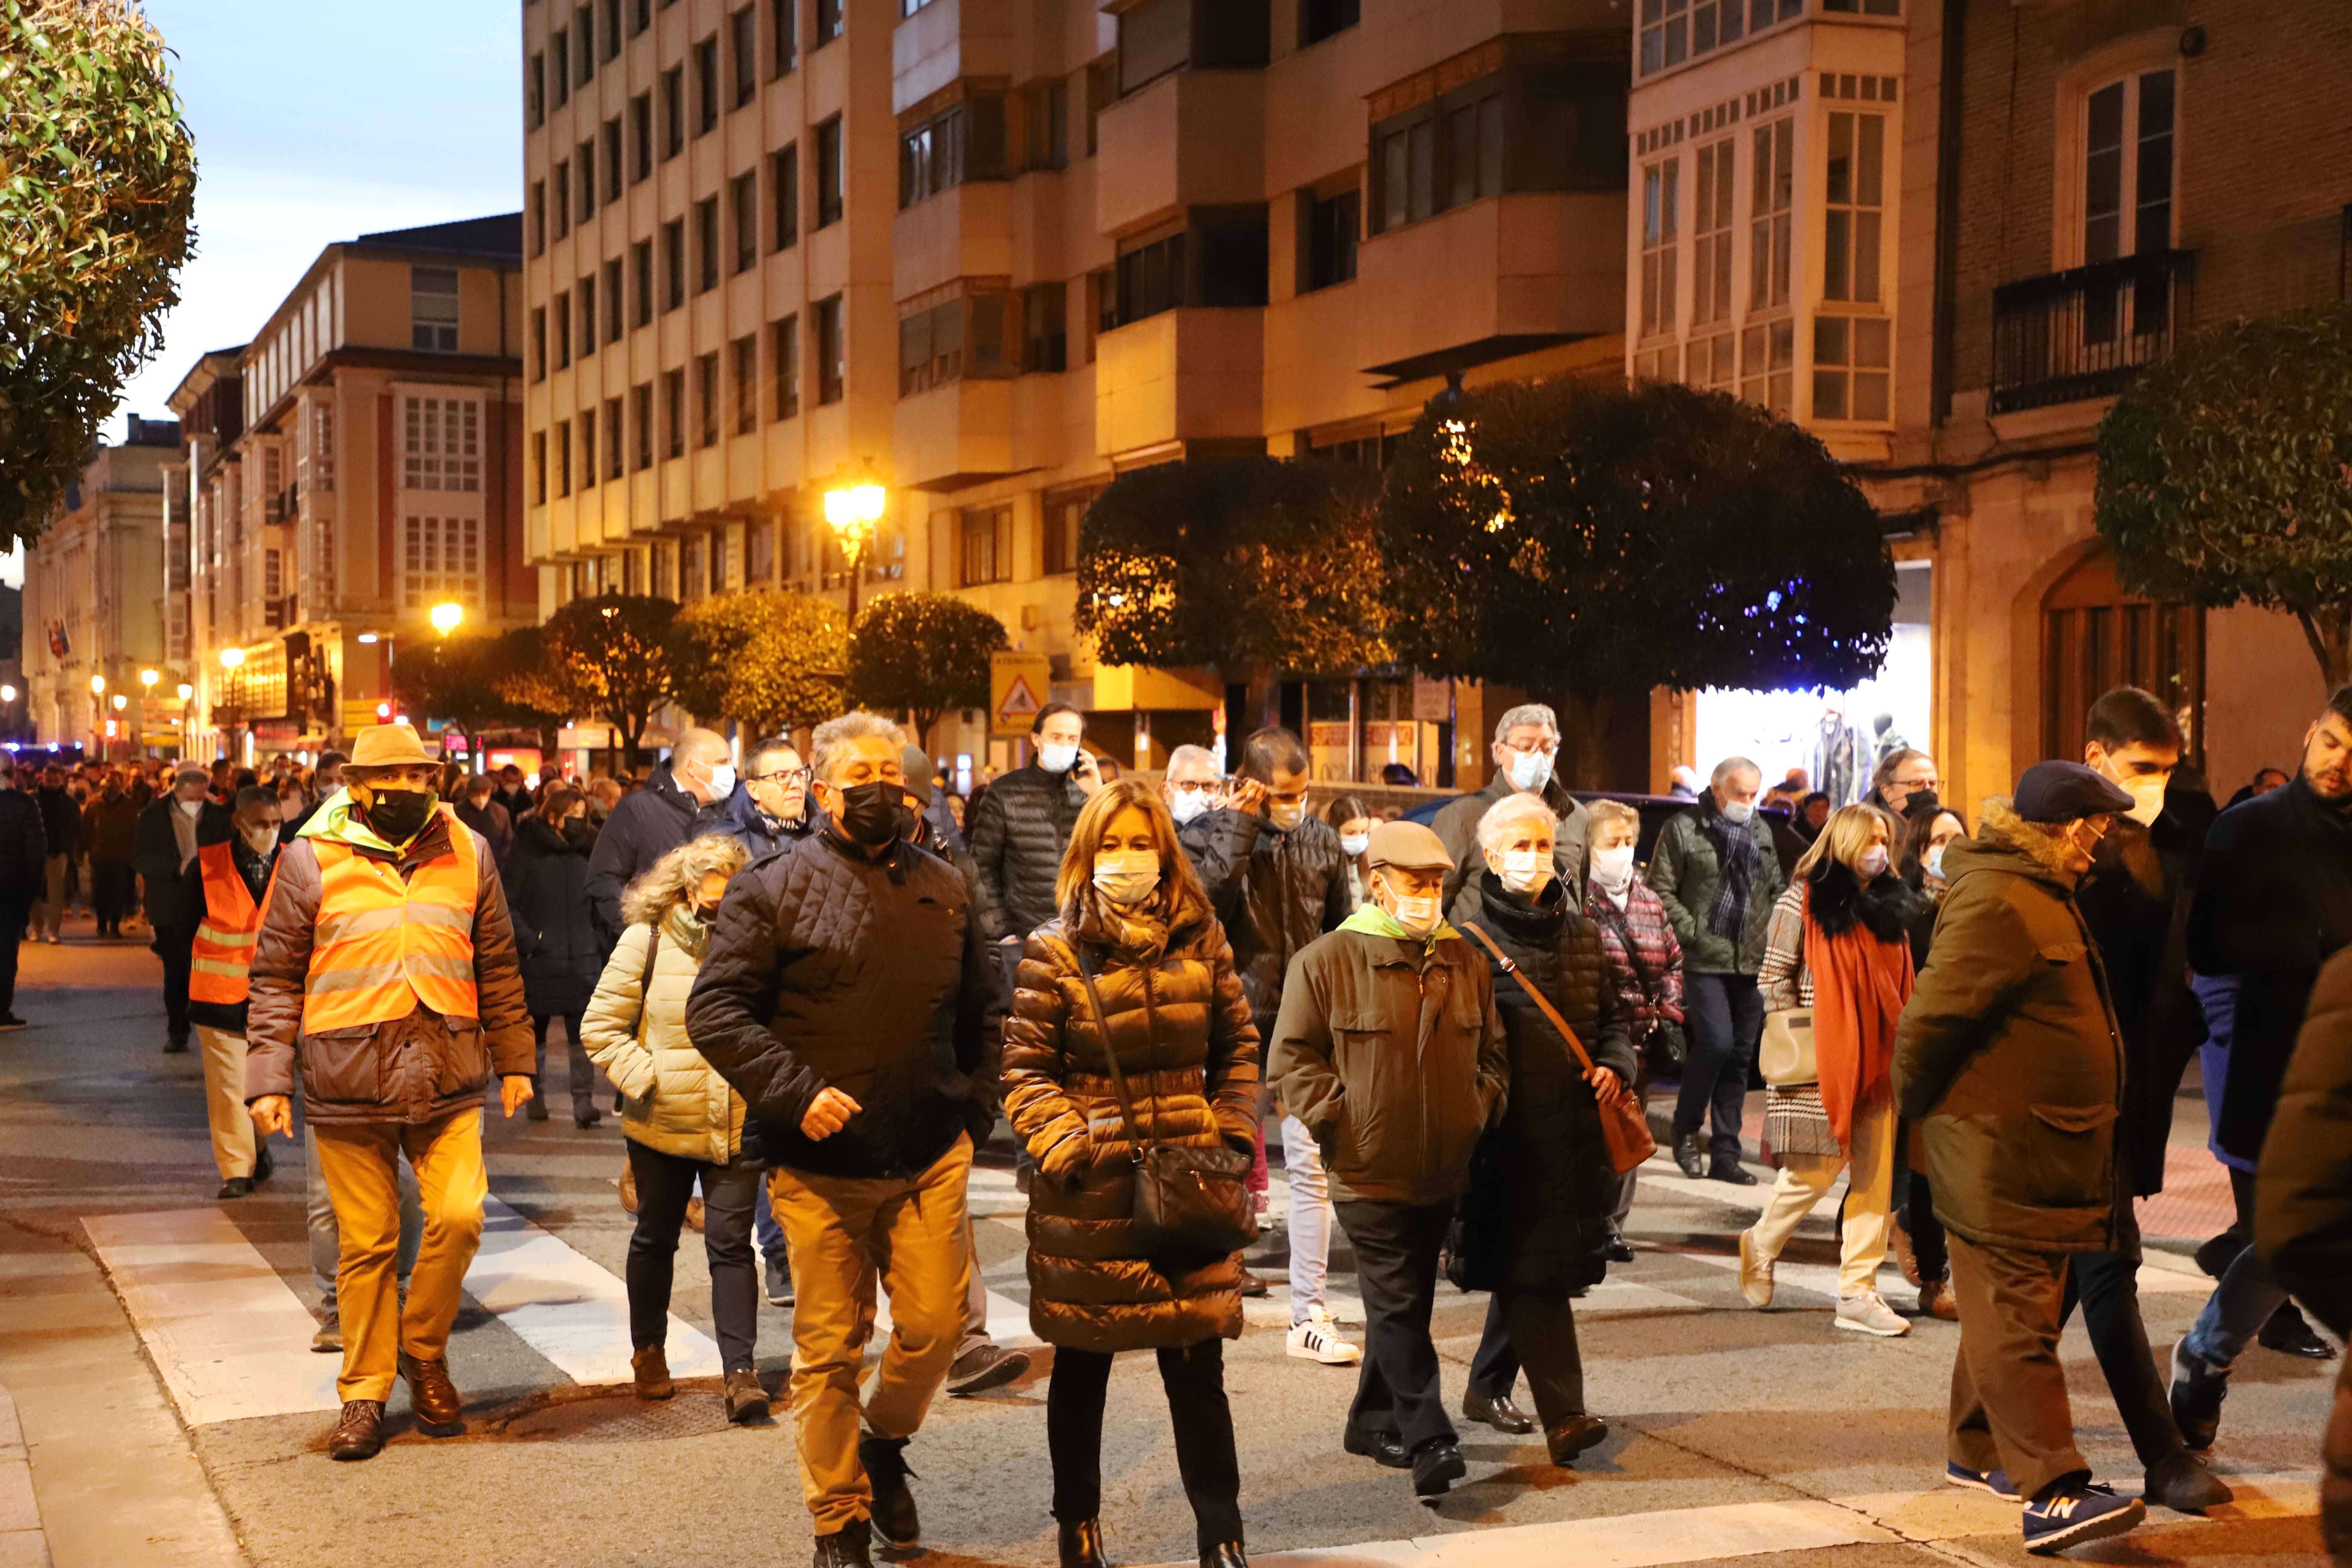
(229, 1338)
(567, 1307)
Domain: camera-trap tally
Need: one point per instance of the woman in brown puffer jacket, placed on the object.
(1133, 913)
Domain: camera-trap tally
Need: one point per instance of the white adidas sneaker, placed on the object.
(1868, 1313)
(1319, 1340)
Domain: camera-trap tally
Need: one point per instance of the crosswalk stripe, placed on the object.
(567, 1307)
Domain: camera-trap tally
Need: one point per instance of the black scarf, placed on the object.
(1839, 900)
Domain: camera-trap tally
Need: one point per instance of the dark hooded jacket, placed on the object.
(555, 933)
(1276, 891)
(1018, 832)
(644, 826)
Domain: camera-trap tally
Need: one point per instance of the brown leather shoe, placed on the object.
(651, 1365)
(1936, 1300)
(1907, 1258)
(433, 1397)
(359, 1434)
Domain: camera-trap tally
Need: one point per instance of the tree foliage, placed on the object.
(769, 660)
(98, 179)
(457, 681)
(922, 653)
(2225, 474)
(1237, 564)
(612, 653)
(1575, 538)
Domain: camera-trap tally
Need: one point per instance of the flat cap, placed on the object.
(1409, 845)
(2067, 792)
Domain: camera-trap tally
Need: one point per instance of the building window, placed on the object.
(1045, 115)
(612, 156)
(641, 15)
(706, 396)
(559, 52)
(829, 173)
(613, 301)
(673, 264)
(705, 245)
(828, 22)
(563, 458)
(1674, 31)
(1711, 235)
(1853, 188)
(1772, 186)
(784, 345)
(952, 338)
(538, 467)
(987, 545)
(1318, 19)
(584, 161)
(587, 295)
(760, 550)
(1440, 155)
(1045, 328)
(743, 197)
(1661, 187)
(673, 108)
(2127, 167)
(1850, 364)
(673, 386)
(587, 448)
(1063, 514)
(1326, 246)
(613, 434)
(432, 309)
(705, 86)
(784, 34)
(561, 184)
(441, 444)
(832, 373)
(583, 54)
(641, 428)
(743, 43)
(610, 32)
(539, 343)
(1150, 278)
(441, 560)
(641, 137)
(785, 192)
(563, 331)
(534, 93)
(745, 351)
(964, 141)
(538, 205)
(641, 283)
(909, 7)
(1768, 359)
(1864, 7)
(1102, 91)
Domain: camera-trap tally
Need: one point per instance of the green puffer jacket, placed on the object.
(2009, 1055)
(672, 1100)
(1686, 871)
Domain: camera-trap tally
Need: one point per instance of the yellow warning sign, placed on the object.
(1019, 684)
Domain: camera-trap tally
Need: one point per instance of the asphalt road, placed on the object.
(1759, 1437)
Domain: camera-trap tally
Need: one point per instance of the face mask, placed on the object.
(1285, 817)
(577, 832)
(701, 914)
(2147, 798)
(1613, 867)
(1935, 862)
(1189, 805)
(261, 840)
(1524, 870)
(1738, 812)
(1127, 878)
(869, 813)
(190, 806)
(397, 816)
(722, 781)
(1874, 863)
(1418, 916)
(1355, 843)
(1922, 803)
(1055, 759)
(1529, 770)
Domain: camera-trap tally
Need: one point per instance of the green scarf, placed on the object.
(1373, 920)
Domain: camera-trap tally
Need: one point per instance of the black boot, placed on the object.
(1224, 1555)
(885, 1459)
(1081, 1544)
(2290, 1334)
(1690, 1153)
(845, 1547)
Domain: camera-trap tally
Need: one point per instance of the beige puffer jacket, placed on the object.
(671, 1099)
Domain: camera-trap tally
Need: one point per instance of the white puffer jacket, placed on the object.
(671, 1099)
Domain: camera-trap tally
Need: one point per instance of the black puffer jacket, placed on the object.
(832, 971)
(1549, 1178)
(643, 828)
(1018, 833)
(61, 819)
(23, 850)
(547, 892)
(1274, 890)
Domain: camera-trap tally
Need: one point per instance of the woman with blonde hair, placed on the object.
(1839, 952)
(683, 1123)
(1135, 968)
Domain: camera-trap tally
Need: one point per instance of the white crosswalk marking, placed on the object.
(569, 1308)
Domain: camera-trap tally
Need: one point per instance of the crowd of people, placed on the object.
(811, 986)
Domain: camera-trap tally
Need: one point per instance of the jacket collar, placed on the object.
(2004, 842)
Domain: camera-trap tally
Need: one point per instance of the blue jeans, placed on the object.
(2241, 1304)
(1724, 1014)
(763, 1221)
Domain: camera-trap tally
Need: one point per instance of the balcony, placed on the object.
(1191, 138)
(2084, 333)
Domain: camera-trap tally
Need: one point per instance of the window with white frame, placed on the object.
(1767, 361)
(1661, 194)
(2127, 167)
(319, 452)
(1851, 355)
(1711, 359)
(441, 446)
(441, 560)
(1772, 196)
(432, 309)
(1674, 31)
(1854, 190)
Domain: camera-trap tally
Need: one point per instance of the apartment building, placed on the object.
(1942, 237)
(990, 258)
(356, 465)
(96, 605)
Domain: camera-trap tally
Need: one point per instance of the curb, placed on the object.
(23, 1542)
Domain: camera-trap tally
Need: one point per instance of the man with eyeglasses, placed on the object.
(1527, 741)
(768, 807)
(1906, 783)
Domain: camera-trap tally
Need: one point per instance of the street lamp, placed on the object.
(7, 694)
(187, 692)
(121, 703)
(147, 678)
(445, 617)
(231, 658)
(98, 685)
(852, 512)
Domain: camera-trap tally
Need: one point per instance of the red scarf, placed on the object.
(1860, 984)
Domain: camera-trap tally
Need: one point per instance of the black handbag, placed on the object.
(1190, 1204)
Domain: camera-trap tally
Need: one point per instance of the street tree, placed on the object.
(1243, 564)
(456, 680)
(922, 653)
(98, 180)
(2225, 474)
(614, 653)
(537, 696)
(772, 661)
(1582, 539)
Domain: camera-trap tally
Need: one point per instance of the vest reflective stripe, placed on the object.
(382, 947)
(222, 956)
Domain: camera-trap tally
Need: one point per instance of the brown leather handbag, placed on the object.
(1625, 1127)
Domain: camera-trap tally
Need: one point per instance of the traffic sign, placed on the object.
(1019, 684)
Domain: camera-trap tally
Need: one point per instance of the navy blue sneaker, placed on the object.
(1995, 1480)
(2197, 1389)
(2073, 1512)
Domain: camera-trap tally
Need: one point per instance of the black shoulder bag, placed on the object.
(1190, 1204)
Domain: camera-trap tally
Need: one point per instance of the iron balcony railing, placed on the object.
(2085, 332)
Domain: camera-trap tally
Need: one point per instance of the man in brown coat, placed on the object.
(385, 972)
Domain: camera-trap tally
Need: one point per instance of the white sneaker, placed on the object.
(1755, 1271)
(1317, 1340)
(1868, 1313)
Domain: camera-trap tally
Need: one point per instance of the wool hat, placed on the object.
(1408, 845)
(388, 746)
(2067, 792)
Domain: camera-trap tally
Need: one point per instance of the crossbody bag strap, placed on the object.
(1110, 1051)
(646, 980)
(1534, 996)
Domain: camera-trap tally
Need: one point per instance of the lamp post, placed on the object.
(851, 512)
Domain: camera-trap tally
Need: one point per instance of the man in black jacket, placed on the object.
(650, 823)
(1021, 825)
(24, 854)
(61, 829)
(171, 830)
(2273, 902)
(849, 996)
(770, 807)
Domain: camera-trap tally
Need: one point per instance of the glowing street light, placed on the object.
(446, 617)
(7, 694)
(187, 692)
(98, 685)
(147, 678)
(231, 658)
(121, 703)
(851, 512)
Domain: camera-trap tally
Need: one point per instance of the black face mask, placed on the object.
(1922, 803)
(578, 833)
(397, 816)
(869, 813)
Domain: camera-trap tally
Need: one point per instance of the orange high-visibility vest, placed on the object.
(222, 959)
(382, 946)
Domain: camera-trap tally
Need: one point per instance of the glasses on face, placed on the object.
(1540, 749)
(786, 775)
(1196, 786)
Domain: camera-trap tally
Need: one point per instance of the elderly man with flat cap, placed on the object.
(1388, 1047)
(2009, 1057)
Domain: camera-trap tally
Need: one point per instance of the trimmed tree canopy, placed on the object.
(1235, 563)
(1578, 537)
(922, 653)
(768, 661)
(2225, 474)
(98, 180)
(614, 653)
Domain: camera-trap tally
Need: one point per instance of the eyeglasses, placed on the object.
(1198, 786)
(788, 775)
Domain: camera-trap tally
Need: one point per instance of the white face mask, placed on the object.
(1736, 812)
(1874, 863)
(1188, 805)
(1418, 915)
(190, 806)
(1934, 861)
(1612, 869)
(1355, 843)
(261, 840)
(722, 781)
(1055, 759)
(2146, 791)
(1525, 871)
(1529, 770)
(1285, 817)
(1127, 878)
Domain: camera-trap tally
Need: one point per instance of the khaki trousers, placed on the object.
(360, 1162)
(843, 1233)
(1806, 1179)
(2008, 1391)
(225, 1111)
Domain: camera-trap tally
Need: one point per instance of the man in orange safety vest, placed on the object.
(233, 883)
